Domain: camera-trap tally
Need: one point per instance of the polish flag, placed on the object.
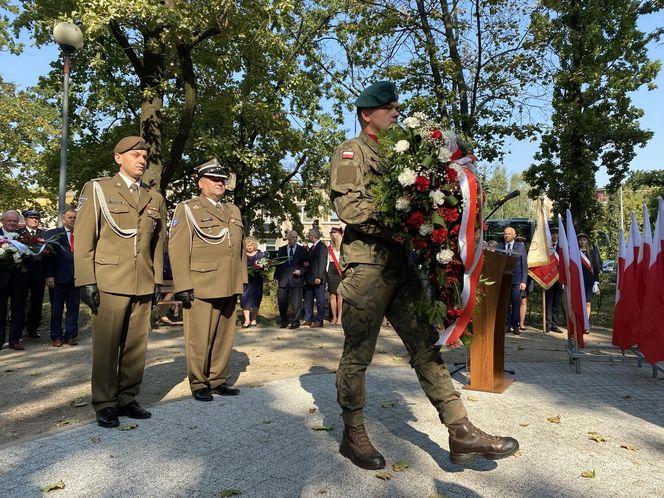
(643, 262)
(626, 317)
(575, 295)
(542, 263)
(651, 337)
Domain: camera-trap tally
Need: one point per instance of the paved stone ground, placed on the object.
(264, 443)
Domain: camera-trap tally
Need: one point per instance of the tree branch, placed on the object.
(126, 47)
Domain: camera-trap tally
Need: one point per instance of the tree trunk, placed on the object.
(152, 105)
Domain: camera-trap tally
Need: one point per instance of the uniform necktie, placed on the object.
(290, 253)
(71, 241)
(134, 192)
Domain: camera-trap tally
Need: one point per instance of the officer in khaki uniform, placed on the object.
(209, 272)
(118, 261)
(377, 282)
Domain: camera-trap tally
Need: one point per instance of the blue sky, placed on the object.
(25, 69)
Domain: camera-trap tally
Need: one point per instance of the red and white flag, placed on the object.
(626, 317)
(575, 294)
(651, 336)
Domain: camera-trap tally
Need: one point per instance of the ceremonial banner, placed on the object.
(542, 262)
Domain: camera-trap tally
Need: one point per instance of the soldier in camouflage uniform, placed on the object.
(379, 282)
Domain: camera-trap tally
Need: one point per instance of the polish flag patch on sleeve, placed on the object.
(347, 154)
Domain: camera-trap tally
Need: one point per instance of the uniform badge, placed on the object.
(347, 154)
(206, 219)
(81, 201)
(195, 206)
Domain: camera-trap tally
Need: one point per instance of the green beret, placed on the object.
(130, 143)
(377, 95)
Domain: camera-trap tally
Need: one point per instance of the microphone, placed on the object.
(502, 201)
(509, 196)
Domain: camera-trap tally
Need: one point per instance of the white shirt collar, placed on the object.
(128, 180)
(214, 203)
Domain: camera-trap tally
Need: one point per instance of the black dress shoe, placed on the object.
(295, 325)
(107, 417)
(224, 390)
(202, 394)
(133, 410)
(556, 330)
(283, 325)
(34, 335)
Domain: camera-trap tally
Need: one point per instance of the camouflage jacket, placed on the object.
(354, 164)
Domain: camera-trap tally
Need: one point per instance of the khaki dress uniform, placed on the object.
(379, 281)
(207, 255)
(120, 248)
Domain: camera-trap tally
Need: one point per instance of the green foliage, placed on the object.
(473, 66)
(602, 57)
(26, 131)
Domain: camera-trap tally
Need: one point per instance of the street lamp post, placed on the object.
(70, 39)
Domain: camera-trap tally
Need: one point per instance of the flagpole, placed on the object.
(544, 311)
(622, 213)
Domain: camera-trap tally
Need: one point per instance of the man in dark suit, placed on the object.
(13, 288)
(289, 276)
(519, 278)
(554, 294)
(35, 274)
(59, 270)
(315, 279)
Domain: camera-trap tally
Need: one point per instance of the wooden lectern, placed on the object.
(486, 362)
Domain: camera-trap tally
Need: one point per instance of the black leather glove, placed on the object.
(185, 297)
(156, 296)
(90, 296)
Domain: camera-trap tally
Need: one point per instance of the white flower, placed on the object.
(444, 154)
(444, 256)
(407, 177)
(401, 146)
(426, 229)
(402, 204)
(17, 257)
(420, 115)
(437, 198)
(2, 251)
(411, 122)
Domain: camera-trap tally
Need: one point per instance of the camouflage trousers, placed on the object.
(371, 292)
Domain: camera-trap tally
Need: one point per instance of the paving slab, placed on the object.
(281, 440)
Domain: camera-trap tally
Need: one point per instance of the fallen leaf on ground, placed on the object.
(322, 491)
(230, 492)
(127, 427)
(597, 437)
(400, 466)
(322, 428)
(9, 370)
(517, 453)
(78, 402)
(627, 397)
(69, 421)
(473, 398)
(524, 424)
(52, 487)
(381, 351)
(312, 410)
(266, 422)
(554, 420)
(384, 475)
(95, 439)
(389, 404)
(589, 474)
(255, 385)
(630, 447)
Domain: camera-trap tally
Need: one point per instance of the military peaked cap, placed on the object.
(211, 168)
(581, 235)
(31, 213)
(130, 143)
(376, 95)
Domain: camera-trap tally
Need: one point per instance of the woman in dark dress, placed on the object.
(251, 299)
(334, 275)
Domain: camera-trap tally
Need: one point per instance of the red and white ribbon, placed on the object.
(470, 251)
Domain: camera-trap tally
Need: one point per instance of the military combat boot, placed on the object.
(356, 446)
(467, 442)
